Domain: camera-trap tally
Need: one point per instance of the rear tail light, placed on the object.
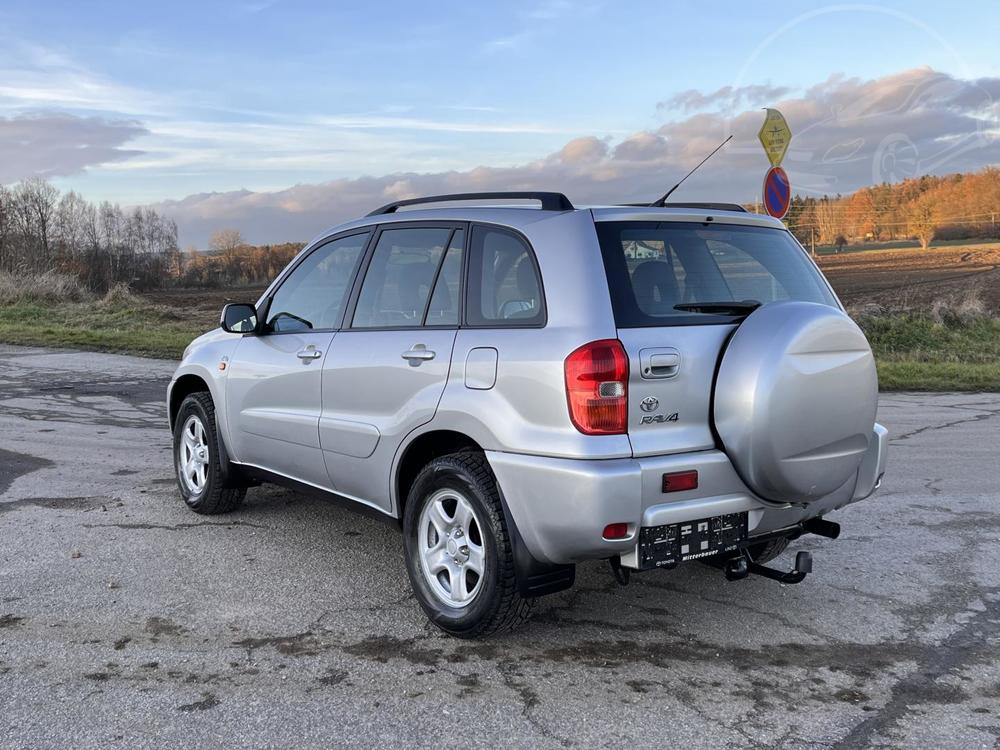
(597, 388)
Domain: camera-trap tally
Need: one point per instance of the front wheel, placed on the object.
(458, 550)
(197, 459)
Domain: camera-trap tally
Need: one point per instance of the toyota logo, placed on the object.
(649, 404)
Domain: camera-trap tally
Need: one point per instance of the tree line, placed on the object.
(230, 261)
(958, 206)
(101, 244)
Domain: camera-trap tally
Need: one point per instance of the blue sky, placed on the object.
(262, 95)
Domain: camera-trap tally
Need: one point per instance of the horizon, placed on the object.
(125, 105)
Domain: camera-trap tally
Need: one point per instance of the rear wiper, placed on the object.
(729, 307)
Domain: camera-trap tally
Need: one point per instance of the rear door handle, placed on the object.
(308, 354)
(419, 353)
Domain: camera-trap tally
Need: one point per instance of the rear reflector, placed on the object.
(678, 481)
(597, 387)
(616, 531)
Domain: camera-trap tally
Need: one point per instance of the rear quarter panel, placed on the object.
(526, 410)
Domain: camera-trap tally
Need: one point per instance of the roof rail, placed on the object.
(709, 206)
(549, 201)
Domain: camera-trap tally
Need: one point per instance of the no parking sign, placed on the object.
(777, 192)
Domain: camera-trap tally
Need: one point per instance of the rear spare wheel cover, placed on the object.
(795, 400)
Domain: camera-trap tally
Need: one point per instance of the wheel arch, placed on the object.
(183, 387)
(420, 451)
(534, 578)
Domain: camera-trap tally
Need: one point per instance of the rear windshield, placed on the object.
(654, 266)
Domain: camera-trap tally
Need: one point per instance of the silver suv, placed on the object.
(523, 388)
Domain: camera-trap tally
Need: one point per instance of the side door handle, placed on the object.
(419, 353)
(309, 353)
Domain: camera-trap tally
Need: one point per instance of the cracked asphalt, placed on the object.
(128, 621)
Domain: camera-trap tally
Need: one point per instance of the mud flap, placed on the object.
(534, 578)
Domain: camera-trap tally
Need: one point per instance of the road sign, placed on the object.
(775, 136)
(777, 192)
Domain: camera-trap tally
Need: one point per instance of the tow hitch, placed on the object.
(738, 568)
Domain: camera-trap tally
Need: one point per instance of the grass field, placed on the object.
(125, 327)
(933, 317)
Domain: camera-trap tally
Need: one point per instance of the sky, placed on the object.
(282, 117)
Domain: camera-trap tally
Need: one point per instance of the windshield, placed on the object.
(685, 273)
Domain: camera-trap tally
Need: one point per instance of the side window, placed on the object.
(443, 309)
(313, 295)
(399, 277)
(504, 287)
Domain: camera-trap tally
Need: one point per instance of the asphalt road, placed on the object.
(128, 621)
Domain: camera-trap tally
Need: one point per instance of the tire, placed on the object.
(205, 488)
(458, 599)
(766, 551)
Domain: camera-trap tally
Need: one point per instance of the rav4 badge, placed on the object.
(651, 418)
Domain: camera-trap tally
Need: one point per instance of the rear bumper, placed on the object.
(561, 506)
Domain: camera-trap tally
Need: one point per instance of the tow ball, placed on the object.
(738, 568)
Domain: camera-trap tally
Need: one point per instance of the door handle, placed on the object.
(308, 354)
(419, 353)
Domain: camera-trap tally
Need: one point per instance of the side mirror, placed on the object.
(239, 318)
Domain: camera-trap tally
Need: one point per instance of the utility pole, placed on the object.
(812, 232)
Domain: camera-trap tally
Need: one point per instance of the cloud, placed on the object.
(32, 76)
(727, 97)
(54, 145)
(848, 133)
(539, 20)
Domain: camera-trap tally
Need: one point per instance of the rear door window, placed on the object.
(400, 277)
(505, 288)
(444, 304)
(654, 266)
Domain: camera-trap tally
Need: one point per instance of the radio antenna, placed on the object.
(663, 201)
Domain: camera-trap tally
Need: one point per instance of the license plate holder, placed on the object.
(668, 545)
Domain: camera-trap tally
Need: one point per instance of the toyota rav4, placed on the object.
(524, 388)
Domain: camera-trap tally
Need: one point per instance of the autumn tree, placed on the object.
(923, 222)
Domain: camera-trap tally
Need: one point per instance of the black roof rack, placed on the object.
(549, 201)
(709, 206)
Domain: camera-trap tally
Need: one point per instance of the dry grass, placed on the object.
(953, 345)
(49, 287)
(119, 296)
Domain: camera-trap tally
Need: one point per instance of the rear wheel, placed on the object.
(457, 548)
(197, 460)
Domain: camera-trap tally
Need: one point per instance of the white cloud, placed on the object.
(727, 98)
(33, 77)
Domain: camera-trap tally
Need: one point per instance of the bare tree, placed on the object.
(923, 222)
(34, 215)
(228, 244)
(6, 229)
